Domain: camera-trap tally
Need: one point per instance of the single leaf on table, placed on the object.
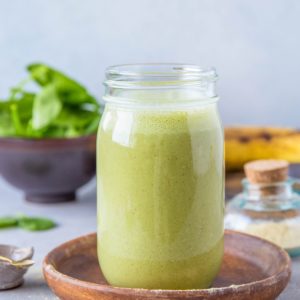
(6, 222)
(35, 224)
(46, 107)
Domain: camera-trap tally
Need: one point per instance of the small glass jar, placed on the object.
(270, 211)
(160, 178)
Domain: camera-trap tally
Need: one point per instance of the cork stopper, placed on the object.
(266, 171)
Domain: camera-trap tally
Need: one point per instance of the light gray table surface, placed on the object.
(74, 219)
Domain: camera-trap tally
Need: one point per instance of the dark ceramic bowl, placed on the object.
(48, 170)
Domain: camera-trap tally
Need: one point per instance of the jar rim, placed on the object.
(158, 75)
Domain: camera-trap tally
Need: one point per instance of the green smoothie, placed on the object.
(160, 197)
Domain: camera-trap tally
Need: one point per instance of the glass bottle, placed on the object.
(270, 211)
(160, 177)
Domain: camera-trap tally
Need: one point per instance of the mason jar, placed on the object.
(160, 177)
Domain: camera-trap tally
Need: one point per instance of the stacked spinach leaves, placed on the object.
(62, 108)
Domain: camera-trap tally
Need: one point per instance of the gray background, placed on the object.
(254, 45)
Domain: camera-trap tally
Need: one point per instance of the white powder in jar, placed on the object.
(285, 234)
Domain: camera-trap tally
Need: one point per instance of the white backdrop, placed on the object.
(255, 46)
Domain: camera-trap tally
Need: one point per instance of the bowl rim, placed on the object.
(20, 141)
(50, 271)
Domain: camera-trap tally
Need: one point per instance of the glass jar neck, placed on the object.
(160, 84)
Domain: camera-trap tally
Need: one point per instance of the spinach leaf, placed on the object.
(71, 92)
(24, 102)
(17, 92)
(15, 114)
(92, 127)
(35, 224)
(16, 119)
(6, 222)
(46, 107)
(75, 117)
(54, 132)
(27, 223)
(77, 122)
(6, 124)
(60, 108)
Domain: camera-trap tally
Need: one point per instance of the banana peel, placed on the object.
(243, 144)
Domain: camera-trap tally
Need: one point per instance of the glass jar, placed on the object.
(270, 211)
(160, 177)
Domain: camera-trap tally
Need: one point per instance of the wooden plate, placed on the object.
(252, 269)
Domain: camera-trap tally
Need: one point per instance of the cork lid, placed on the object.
(266, 171)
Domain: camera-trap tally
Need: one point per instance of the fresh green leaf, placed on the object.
(35, 224)
(72, 132)
(28, 223)
(6, 222)
(71, 92)
(77, 122)
(17, 91)
(15, 114)
(46, 107)
(93, 126)
(54, 132)
(16, 119)
(6, 125)
(25, 106)
(75, 117)
(42, 74)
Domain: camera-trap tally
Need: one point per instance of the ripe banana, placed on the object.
(243, 144)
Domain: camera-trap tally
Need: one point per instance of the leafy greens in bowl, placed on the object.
(62, 108)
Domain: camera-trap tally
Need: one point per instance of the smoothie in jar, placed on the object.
(160, 193)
